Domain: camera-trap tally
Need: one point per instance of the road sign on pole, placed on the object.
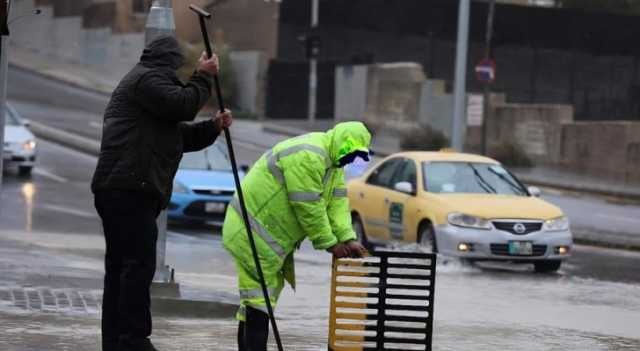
(486, 71)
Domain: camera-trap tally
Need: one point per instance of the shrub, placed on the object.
(512, 155)
(424, 138)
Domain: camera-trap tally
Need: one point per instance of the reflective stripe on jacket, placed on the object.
(296, 191)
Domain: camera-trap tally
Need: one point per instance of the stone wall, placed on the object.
(606, 149)
(81, 32)
(536, 128)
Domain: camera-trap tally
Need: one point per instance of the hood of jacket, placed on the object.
(347, 137)
(163, 51)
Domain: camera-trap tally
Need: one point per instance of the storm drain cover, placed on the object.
(51, 300)
(383, 302)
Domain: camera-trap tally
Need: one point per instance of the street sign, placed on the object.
(475, 110)
(486, 71)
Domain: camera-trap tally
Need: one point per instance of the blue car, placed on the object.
(203, 186)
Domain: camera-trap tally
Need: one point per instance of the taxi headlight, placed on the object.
(468, 221)
(557, 224)
(179, 188)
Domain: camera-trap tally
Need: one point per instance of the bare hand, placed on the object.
(356, 250)
(223, 120)
(339, 250)
(208, 65)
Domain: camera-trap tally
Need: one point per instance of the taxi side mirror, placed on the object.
(534, 191)
(404, 187)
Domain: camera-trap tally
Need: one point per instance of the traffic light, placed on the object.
(4, 14)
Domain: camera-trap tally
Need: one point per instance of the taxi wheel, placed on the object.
(427, 238)
(547, 266)
(358, 227)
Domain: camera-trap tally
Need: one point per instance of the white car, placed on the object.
(19, 143)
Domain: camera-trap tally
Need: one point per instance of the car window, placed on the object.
(406, 173)
(214, 157)
(12, 118)
(382, 175)
(470, 177)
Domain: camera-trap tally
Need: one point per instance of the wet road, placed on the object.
(593, 303)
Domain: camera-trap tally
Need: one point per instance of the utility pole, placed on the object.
(160, 22)
(5, 8)
(460, 93)
(487, 85)
(313, 63)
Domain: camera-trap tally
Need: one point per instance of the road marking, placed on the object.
(70, 211)
(618, 218)
(47, 174)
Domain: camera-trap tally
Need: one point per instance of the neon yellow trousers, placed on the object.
(251, 291)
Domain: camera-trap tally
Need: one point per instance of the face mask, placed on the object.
(349, 158)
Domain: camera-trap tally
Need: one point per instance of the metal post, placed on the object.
(459, 102)
(4, 45)
(160, 22)
(313, 66)
(487, 86)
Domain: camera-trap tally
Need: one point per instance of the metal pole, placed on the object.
(160, 22)
(487, 86)
(3, 90)
(459, 103)
(313, 66)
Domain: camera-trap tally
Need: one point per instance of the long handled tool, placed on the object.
(202, 15)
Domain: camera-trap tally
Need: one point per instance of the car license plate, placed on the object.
(520, 248)
(214, 207)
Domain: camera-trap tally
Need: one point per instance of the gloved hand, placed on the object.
(356, 250)
(340, 250)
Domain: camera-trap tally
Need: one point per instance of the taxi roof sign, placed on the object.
(486, 71)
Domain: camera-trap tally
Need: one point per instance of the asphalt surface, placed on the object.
(593, 303)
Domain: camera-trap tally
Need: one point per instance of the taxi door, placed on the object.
(374, 210)
(402, 204)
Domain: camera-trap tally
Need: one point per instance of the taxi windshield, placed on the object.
(471, 178)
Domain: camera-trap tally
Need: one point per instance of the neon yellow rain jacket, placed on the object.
(294, 191)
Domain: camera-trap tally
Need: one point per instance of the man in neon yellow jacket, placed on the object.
(294, 191)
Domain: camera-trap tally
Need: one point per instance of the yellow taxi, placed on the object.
(457, 204)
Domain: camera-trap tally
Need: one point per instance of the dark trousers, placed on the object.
(129, 222)
(253, 333)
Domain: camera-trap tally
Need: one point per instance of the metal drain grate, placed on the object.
(384, 302)
(52, 300)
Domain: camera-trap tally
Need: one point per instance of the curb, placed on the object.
(631, 195)
(614, 240)
(74, 141)
(292, 131)
(175, 307)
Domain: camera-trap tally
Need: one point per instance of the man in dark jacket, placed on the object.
(143, 139)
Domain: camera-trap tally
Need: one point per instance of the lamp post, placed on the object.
(313, 63)
(459, 104)
(160, 21)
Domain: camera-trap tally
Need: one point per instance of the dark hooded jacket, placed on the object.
(143, 135)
